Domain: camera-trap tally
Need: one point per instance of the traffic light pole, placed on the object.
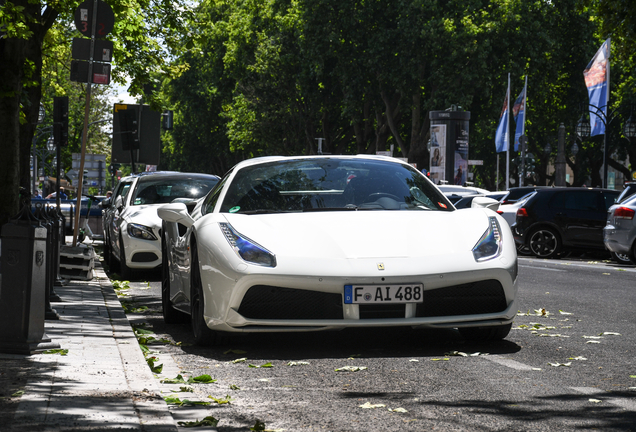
(80, 180)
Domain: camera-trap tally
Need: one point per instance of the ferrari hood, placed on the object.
(365, 234)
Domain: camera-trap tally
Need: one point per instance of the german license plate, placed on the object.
(383, 294)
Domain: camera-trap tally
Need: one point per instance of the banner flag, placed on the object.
(519, 113)
(597, 79)
(502, 137)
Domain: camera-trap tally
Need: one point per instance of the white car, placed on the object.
(329, 242)
(132, 237)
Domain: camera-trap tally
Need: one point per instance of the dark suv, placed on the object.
(563, 218)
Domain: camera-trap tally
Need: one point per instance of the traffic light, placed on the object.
(167, 119)
(129, 128)
(60, 120)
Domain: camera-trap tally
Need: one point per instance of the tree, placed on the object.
(24, 24)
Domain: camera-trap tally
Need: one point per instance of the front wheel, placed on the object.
(622, 259)
(124, 271)
(170, 314)
(202, 333)
(485, 333)
(544, 243)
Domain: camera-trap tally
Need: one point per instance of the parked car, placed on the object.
(516, 193)
(509, 213)
(557, 219)
(132, 229)
(466, 201)
(330, 242)
(630, 190)
(454, 192)
(619, 234)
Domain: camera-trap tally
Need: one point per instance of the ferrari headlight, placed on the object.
(140, 231)
(248, 250)
(489, 246)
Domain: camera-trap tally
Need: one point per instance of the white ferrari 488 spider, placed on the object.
(314, 243)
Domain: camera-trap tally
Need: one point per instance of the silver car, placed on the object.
(619, 235)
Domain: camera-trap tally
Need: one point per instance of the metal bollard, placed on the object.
(55, 244)
(41, 214)
(22, 297)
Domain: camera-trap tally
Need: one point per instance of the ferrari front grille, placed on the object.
(271, 302)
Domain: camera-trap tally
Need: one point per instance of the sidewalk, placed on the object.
(103, 383)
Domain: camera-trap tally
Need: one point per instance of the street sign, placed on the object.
(82, 50)
(79, 72)
(84, 18)
(475, 162)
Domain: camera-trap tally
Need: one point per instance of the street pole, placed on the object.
(559, 166)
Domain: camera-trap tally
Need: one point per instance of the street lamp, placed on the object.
(50, 144)
(41, 114)
(583, 128)
(574, 149)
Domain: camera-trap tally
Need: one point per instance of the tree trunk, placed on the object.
(13, 56)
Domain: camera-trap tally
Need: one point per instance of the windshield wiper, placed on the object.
(263, 211)
(319, 209)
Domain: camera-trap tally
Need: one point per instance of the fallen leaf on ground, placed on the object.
(593, 337)
(350, 368)
(610, 334)
(577, 358)
(595, 400)
(300, 363)
(564, 313)
(414, 360)
(568, 364)
(398, 410)
(266, 365)
(369, 405)
(440, 359)
(234, 387)
(221, 401)
(592, 342)
(59, 351)
(239, 360)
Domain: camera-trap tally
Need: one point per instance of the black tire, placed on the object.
(544, 243)
(485, 333)
(107, 252)
(622, 259)
(170, 314)
(632, 253)
(202, 333)
(523, 250)
(125, 272)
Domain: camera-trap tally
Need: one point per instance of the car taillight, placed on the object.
(624, 213)
(499, 212)
(521, 212)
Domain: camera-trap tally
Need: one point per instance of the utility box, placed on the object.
(449, 146)
(22, 293)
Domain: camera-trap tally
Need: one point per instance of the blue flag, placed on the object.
(519, 113)
(502, 140)
(597, 76)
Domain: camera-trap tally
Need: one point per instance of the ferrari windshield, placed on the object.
(160, 189)
(331, 184)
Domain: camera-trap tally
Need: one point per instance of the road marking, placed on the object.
(542, 268)
(627, 404)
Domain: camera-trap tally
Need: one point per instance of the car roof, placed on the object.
(266, 159)
(176, 176)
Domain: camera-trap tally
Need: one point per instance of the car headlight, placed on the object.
(140, 231)
(248, 250)
(489, 245)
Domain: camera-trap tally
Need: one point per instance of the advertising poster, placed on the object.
(461, 154)
(438, 153)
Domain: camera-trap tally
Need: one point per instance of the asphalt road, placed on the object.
(568, 364)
